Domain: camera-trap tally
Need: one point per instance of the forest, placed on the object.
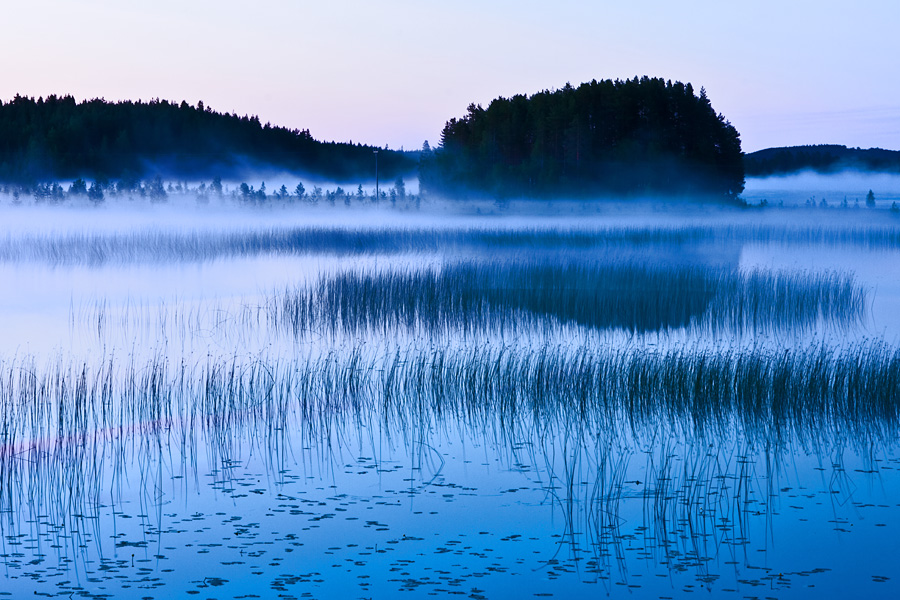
(55, 138)
(633, 137)
(823, 158)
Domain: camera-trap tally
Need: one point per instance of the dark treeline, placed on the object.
(639, 136)
(56, 138)
(825, 158)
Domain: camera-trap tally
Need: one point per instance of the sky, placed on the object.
(392, 72)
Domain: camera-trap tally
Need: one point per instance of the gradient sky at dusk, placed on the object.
(784, 72)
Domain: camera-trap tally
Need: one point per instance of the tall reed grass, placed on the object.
(528, 296)
(71, 432)
(770, 396)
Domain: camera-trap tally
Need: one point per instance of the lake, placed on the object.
(226, 402)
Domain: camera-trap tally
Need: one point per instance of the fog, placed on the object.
(796, 189)
(207, 212)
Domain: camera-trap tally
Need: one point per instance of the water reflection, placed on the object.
(567, 409)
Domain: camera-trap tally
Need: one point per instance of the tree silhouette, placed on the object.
(56, 138)
(634, 137)
(824, 158)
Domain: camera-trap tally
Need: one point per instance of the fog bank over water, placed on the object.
(185, 215)
(799, 187)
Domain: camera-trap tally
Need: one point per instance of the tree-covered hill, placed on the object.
(825, 158)
(58, 138)
(640, 136)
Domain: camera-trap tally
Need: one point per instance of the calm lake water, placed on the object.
(229, 403)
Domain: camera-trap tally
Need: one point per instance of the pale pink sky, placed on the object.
(392, 72)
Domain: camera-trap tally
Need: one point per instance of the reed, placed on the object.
(87, 248)
(769, 397)
(518, 297)
(71, 431)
